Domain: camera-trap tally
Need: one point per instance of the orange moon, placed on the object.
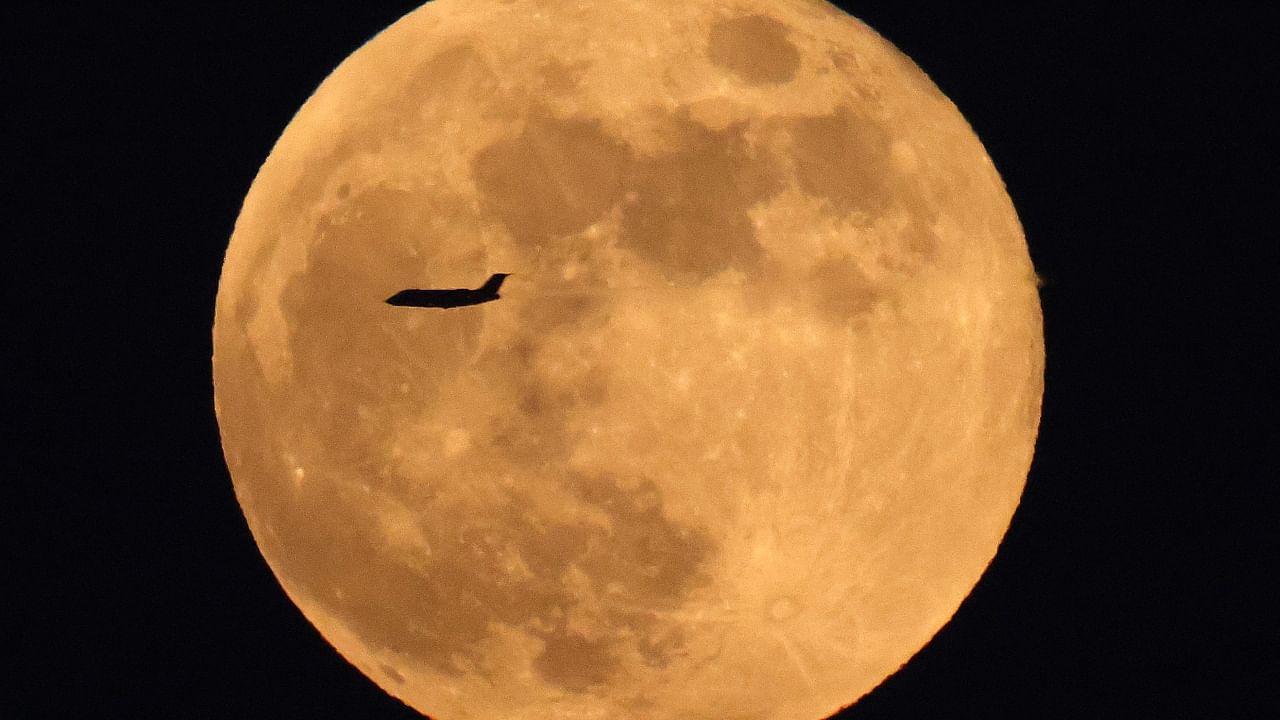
(749, 420)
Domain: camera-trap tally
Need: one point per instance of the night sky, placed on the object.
(1131, 582)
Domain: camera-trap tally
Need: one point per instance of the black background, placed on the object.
(1133, 580)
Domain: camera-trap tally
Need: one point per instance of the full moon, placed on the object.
(748, 420)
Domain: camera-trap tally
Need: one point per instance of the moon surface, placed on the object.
(749, 420)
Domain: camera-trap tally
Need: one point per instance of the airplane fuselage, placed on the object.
(440, 298)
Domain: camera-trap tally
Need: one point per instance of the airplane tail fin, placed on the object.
(493, 283)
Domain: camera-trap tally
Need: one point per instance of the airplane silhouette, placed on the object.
(456, 297)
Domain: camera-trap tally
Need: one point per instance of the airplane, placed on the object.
(456, 297)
